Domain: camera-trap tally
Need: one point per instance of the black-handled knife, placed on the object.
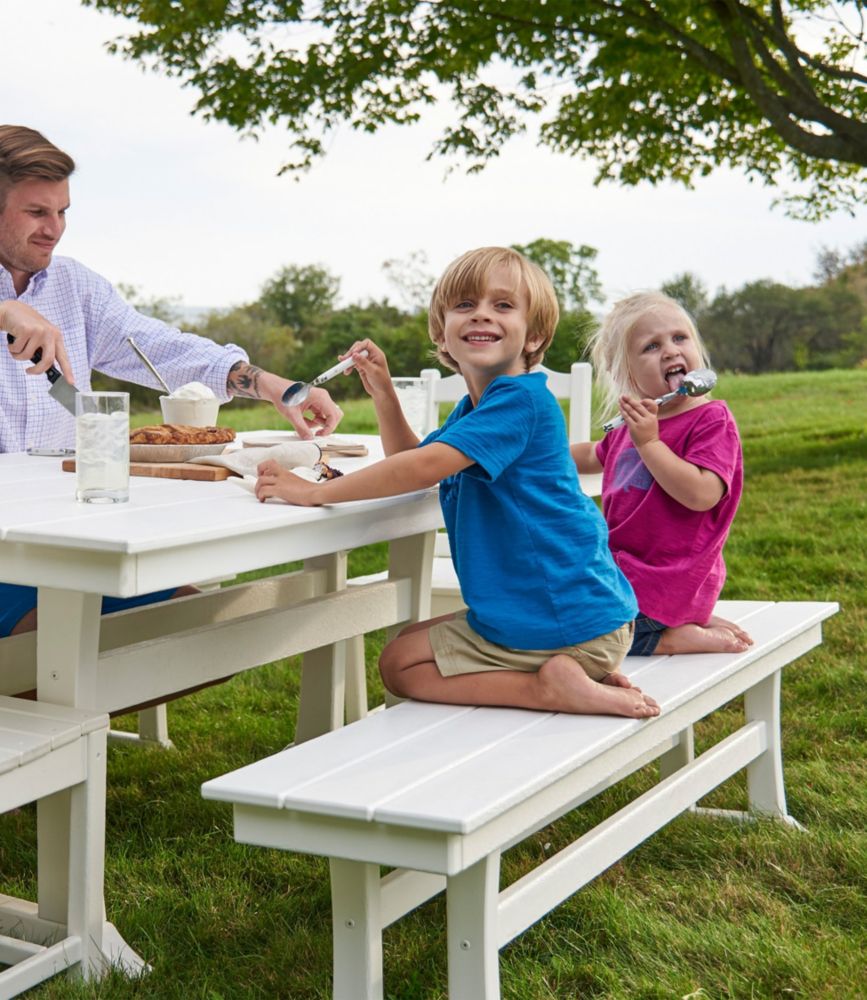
(61, 390)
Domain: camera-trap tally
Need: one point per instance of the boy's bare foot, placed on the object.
(619, 680)
(566, 688)
(711, 638)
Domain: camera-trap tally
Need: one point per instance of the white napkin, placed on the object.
(245, 461)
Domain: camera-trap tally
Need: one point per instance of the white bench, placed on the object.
(438, 792)
(45, 750)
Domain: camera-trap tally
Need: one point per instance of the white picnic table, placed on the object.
(175, 532)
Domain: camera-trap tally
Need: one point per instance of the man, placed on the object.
(80, 323)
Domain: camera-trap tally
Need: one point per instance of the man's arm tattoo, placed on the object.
(243, 380)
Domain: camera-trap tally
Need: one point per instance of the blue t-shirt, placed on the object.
(530, 549)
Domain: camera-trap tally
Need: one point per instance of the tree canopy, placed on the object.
(649, 89)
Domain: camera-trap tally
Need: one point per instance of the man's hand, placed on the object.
(32, 333)
(319, 414)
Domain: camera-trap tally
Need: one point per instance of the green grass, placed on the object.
(702, 909)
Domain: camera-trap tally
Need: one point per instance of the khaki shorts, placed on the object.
(458, 649)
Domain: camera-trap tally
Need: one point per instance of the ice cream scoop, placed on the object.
(148, 363)
(695, 383)
(297, 394)
(193, 390)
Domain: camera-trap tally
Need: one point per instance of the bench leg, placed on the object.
(153, 727)
(471, 906)
(357, 929)
(87, 858)
(765, 783)
(681, 754)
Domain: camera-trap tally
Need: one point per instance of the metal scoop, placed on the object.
(297, 393)
(147, 361)
(695, 383)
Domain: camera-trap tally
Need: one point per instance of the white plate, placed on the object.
(172, 452)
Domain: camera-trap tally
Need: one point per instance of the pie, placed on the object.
(181, 434)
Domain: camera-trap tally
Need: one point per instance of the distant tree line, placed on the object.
(296, 326)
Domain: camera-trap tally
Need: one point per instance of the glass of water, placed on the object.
(412, 396)
(102, 447)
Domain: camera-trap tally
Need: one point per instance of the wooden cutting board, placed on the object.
(169, 470)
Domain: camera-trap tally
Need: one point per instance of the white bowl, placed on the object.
(191, 412)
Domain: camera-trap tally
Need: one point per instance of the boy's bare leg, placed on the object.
(409, 670)
(718, 636)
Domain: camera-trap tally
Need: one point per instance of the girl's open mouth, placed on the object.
(674, 377)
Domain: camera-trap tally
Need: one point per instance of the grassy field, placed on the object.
(701, 910)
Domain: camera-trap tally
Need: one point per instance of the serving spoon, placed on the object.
(298, 392)
(695, 383)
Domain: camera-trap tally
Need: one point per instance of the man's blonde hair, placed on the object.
(609, 345)
(469, 276)
(26, 153)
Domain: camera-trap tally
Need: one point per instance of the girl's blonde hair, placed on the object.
(609, 345)
(469, 275)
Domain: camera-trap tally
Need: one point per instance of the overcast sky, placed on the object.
(189, 210)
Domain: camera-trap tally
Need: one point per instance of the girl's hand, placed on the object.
(641, 419)
(372, 370)
(275, 481)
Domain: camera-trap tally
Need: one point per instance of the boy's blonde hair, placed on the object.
(469, 275)
(609, 345)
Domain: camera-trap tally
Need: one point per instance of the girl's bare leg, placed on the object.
(409, 670)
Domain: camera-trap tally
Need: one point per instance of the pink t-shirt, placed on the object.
(670, 554)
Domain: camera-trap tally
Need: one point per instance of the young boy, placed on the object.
(549, 616)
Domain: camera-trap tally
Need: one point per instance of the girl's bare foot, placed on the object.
(716, 622)
(566, 688)
(693, 638)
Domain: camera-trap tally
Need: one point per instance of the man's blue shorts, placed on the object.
(648, 632)
(16, 601)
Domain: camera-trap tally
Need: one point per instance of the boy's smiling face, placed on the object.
(661, 351)
(486, 332)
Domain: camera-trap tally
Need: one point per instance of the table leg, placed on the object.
(323, 670)
(323, 673)
(412, 557)
(67, 648)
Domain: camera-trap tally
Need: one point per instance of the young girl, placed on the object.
(672, 477)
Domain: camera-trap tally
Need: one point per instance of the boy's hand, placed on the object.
(275, 481)
(373, 369)
(641, 419)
